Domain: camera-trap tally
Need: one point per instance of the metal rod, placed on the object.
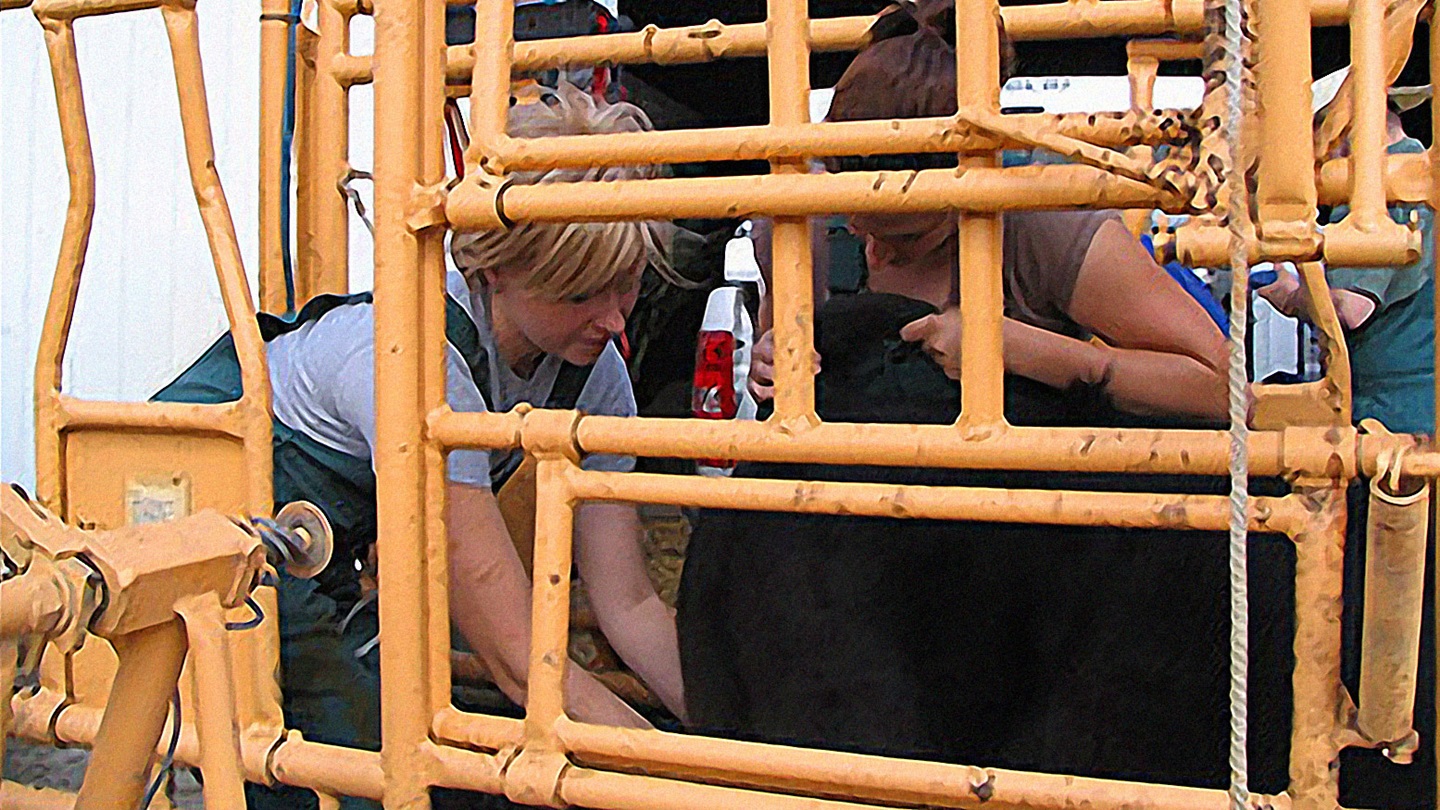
(254, 406)
(309, 185)
(865, 777)
(218, 734)
(150, 661)
(329, 768)
(403, 43)
(1047, 507)
(78, 414)
(1367, 124)
(329, 134)
(68, 10)
(803, 195)
(293, 761)
(1286, 184)
(715, 40)
(79, 216)
(490, 79)
(274, 36)
(550, 605)
(788, 49)
(792, 141)
(435, 606)
(477, 730)
(982, 297)
(1203, 452)
(1319, 559)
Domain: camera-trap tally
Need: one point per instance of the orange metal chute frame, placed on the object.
(93, 457)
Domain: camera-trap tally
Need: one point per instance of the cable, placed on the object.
(254, 621)
(168, 762)
(287, 141)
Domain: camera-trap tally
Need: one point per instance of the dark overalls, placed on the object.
(329, 667)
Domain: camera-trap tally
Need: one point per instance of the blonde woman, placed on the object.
(530, 318)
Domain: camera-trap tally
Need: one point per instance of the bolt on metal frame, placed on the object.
(548, 758)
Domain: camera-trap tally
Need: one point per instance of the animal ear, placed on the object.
(941, 20)
(896, 21)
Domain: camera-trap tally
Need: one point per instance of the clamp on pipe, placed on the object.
(476, 204)
(1399, 518)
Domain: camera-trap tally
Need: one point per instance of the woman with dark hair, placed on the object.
(1083, 650)
(1069, 275)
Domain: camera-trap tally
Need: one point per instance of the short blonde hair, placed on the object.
(564, 259)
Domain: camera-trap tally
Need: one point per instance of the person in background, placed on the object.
(1081, 650)
(531, 317)
(1388, 314)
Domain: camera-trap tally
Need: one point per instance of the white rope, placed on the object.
(1238, 211)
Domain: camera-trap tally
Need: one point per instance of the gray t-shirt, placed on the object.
(322, 379)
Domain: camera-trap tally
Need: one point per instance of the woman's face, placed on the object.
(575, 328)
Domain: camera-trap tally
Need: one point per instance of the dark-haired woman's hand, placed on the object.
(939, 335)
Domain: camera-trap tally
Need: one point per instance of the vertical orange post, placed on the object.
(1319, 560)
(204, 618)
(329, 142)
(490, 81)
(182, 30)
(150, 661)
(787, 34)
(1367, 124)
(1285, 192)
(79, 217)
(273, 38)
(403, 45)
(307, 155)
(550, 638)
(982, 301)
(432, 367)
(1434, 155)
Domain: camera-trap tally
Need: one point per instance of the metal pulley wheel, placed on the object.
(309, 538)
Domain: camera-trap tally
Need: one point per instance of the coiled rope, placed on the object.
(1238, 220)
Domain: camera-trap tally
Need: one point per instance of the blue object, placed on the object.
(1192, 284)
(1264, 278)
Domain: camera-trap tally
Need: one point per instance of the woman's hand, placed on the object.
(1285, 294)
(939, 335)
(762, 368)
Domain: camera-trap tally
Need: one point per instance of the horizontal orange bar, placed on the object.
(171, 417)
(1313, 452)
(328, 768)
(1059, 508)
(716, 40)
(470, 207)
(15, 796)
(780, 142)
(865, 777)
(477, 730)
(74, 9)
(1164, 50)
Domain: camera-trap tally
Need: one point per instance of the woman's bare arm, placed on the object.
(1060, 361)
(1163, 349)
(634, 620)
(490, 605)
(1163, 354)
